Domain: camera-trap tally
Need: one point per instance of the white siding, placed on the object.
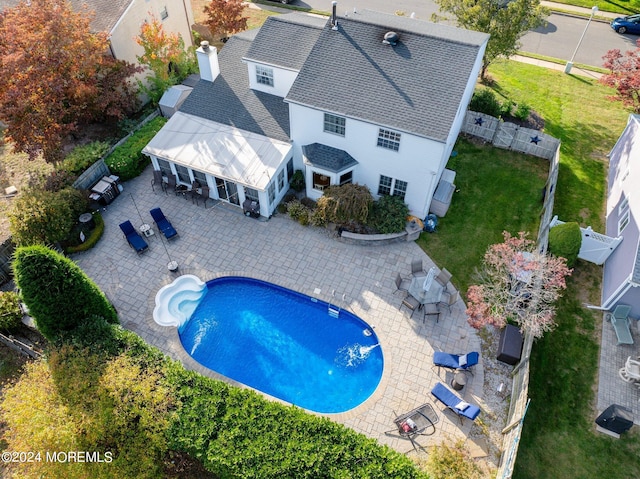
(417, 162)
(282, 80)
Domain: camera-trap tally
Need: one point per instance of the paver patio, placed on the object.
(220, 240)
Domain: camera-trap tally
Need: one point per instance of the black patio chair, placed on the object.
(420, 421)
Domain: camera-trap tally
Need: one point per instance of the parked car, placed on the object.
(629, 24)
(281, 1)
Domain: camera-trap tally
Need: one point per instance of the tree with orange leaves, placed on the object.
(225, 17)
(55, 74)
(165, 56)
(517, 283)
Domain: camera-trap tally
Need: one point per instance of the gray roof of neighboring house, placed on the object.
(230, 101)
(415, 86)
(107, 12)
(327, 157)
(286, 40)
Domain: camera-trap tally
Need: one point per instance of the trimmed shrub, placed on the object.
(485, 101)
(57, 292)
(297, 181)
(522, 111)
(309, 203)
(10, 314)
(345, 204)
(447, 461)
(44, 217)
(298, 212)
(92, 239)
(82, 157)
(127, 160)
(389, 214)
(565, 241)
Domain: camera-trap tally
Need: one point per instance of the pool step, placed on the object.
(333, 312)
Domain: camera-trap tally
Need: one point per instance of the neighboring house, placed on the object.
(328, 97)
(621, 279)
(122, 19)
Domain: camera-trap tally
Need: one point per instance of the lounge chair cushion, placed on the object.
(443, 394)
(455, 361)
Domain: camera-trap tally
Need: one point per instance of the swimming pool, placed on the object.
(285, 344)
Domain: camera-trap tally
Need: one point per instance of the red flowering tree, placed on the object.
(518, 283)
(624, 75)
(165, 55)
(55, 74)
(225, 17)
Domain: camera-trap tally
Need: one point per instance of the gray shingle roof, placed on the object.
(286, 40)
(107, 12)
(415, 86)
(327, 157)
(230, 101)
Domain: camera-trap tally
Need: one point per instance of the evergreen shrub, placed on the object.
(565, 241)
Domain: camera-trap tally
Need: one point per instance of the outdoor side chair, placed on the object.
(431, 309)
(416, 268)
(443, 278)
(158, 180)
(449, 299)
(410, 303)
(401, 284)
(172, 184)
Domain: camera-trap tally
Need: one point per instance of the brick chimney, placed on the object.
(208, 61)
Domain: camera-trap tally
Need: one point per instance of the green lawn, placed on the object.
(625, 7)
(558, 438)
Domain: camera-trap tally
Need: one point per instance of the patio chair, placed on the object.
(420, 421)
(157, 180)
(443, 278)
(163, 223)
(447, 397)
(455, 362)
(401, 284)
(449, 299)
(133, 238)
(193, 192)
(411, 303)
(620, 321)
(630, 372)
(204, 195)
(172, 184)
(416, 268)
(431, 309)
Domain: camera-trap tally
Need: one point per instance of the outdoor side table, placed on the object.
(146, 230)
(459, 381)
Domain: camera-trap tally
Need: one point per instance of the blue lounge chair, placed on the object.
(133, 238)
(447, 397)
(456, 361)
(163, 223)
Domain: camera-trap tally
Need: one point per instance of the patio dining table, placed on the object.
(425, 296)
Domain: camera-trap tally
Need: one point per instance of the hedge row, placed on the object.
(127, 160)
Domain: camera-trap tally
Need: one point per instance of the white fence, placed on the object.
(595, 247)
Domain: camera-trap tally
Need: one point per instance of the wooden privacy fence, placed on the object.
(509, 135)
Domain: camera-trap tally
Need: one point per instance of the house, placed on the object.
(621, 276)
(122, 19)
(367, 98)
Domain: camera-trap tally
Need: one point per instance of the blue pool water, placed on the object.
(284, 344)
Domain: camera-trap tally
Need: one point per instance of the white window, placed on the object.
(164, 14)
(264, 75)
(320, 181)
(281, 180)
(384, 187)
(272, 192)
(251, 194)
(624, 205)
(389, 186)
(400, 189)
(623, 222)
(388, 139)
(200, 177)
(334, 124)
(346, 178)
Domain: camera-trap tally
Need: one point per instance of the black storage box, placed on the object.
(510, 346)
(615, 418)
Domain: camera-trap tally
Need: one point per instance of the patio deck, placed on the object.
(611, 388)
(220, 240)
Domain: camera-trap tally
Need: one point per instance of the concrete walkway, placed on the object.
(220, 240)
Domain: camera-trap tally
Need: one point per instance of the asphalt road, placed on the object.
(558, 39)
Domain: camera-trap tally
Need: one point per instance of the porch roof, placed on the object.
(219, 150)
(327, 157)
